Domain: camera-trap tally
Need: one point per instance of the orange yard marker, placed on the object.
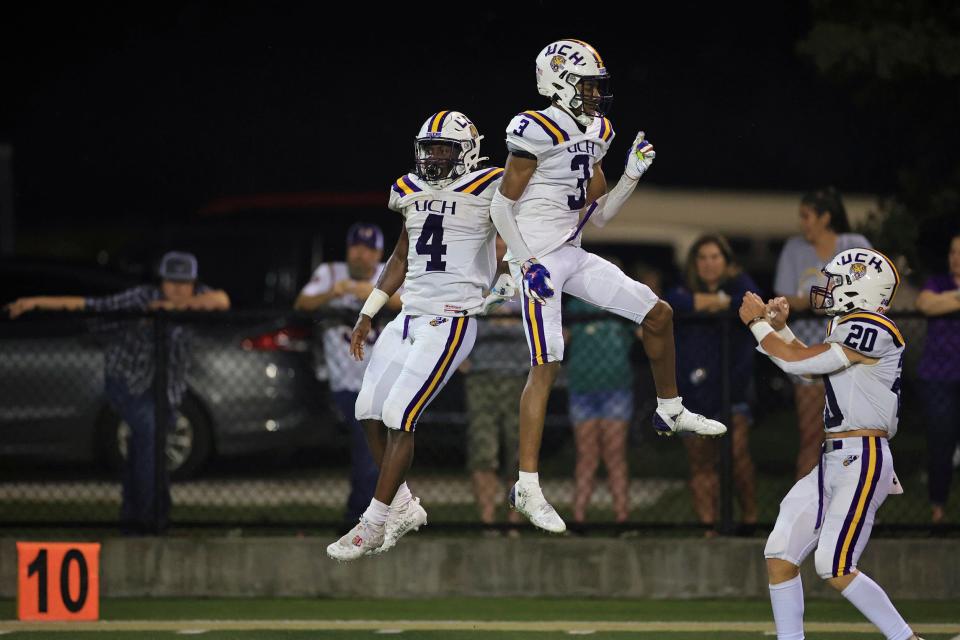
(58, 580)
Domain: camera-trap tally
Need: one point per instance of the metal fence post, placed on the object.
(161, 418)
(725, 526)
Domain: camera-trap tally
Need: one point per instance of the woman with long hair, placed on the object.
(825, 231)
(712, 281)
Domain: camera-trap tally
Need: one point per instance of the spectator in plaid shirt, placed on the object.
(129, 370)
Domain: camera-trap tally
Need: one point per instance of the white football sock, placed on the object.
(402, 497)
(530, 480)
(376, 513)
(671, 406)
(872, 601)
(787, 600)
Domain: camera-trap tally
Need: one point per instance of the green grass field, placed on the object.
(470, 619)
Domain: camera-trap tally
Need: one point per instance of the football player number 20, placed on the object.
(860, 338)
(430, 243)
(58, 581)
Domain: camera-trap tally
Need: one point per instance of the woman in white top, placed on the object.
(825, 231)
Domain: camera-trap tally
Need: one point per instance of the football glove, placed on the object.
(536, 281)
(504, 289)
(640, 157)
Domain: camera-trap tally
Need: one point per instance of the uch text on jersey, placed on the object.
(584, 146)
(436, 206)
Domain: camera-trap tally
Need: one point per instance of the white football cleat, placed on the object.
(361, 540)
(408, 518)
(531, 503)
(686, 421)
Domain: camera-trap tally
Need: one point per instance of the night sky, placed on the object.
(145, 113)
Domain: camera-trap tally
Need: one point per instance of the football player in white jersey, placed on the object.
(832, 508)
(553, 183)
(445, 259)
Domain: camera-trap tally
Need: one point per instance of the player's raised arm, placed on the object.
(793, 357)
(607, 205)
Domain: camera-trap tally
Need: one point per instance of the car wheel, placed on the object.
(189, 442)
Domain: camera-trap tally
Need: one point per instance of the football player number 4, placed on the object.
(430, 243)
(58, 581)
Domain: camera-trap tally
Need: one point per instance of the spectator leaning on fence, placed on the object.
(600, 386)
(712, 280)
(344, 286)
(129, 373)
(940, 371)
(825, 232)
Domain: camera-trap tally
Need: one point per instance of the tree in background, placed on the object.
(903, 59)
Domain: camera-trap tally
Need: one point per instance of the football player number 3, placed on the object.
(580, 164)
(431, 244)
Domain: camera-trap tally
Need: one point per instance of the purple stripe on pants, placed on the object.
(864, 465)
(457, 322)
(878, 466)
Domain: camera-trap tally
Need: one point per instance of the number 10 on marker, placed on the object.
(58, 581)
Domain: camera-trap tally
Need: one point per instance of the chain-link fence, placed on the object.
(257, 408)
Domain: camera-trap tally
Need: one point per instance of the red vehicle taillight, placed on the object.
(285, 339)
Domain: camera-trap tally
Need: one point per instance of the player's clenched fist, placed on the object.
(536, 281)
(640, 157)
(359, 336)
(752, 308)
(778, 309)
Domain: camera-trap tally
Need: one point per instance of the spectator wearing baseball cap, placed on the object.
(345, 286)
(129, 370)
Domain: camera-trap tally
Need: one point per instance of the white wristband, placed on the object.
(374, 303)
(761, 330)
(786, 334)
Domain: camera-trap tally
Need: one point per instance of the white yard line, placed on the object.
(573, 627)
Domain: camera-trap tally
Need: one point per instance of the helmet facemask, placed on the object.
(838, 297)
(821, 298)
(440, 161)
(593, 96)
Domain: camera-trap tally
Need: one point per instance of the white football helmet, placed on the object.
(856, 279)
(571, 73)
(447, 147)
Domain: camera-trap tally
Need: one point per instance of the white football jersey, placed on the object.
(452, 255)
(548, 212)
(865, 396)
